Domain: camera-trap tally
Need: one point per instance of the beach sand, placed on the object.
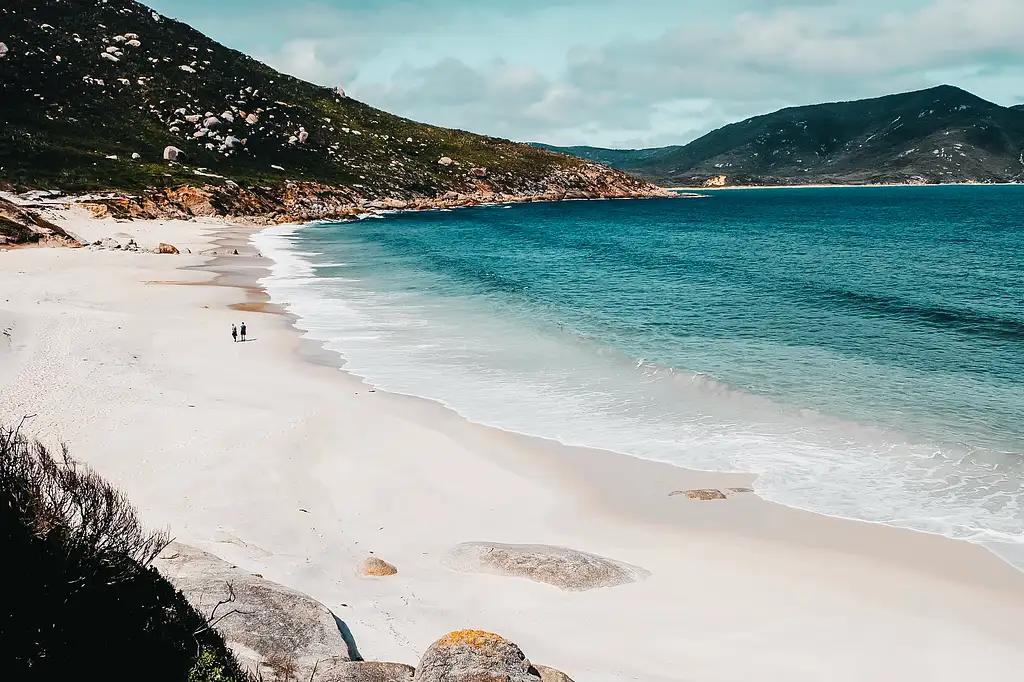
(266, 454)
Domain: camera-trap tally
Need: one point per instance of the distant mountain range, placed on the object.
(942, 134)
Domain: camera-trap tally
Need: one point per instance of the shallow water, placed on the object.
(862, 350)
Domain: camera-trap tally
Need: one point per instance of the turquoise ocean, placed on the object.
(860, 349)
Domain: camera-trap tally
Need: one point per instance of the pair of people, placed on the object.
(236, 330)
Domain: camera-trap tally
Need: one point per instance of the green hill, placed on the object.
(943, 134)
(94, 91)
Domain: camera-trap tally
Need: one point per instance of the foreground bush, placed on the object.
(80, 594)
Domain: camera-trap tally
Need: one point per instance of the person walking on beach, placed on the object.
(242, 330)
(234, 332)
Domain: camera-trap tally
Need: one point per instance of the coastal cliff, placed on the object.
(306, 201)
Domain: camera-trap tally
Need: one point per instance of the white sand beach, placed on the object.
(269, 456)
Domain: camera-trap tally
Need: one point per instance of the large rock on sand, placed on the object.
(475, 656)
(263, 622)
(567, 569)
(375, 566)
(551, 675)
(363, 671)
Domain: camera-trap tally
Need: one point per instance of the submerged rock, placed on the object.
(567, 569)
(474, 656)
(704, 494)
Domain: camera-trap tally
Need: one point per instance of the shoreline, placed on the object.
(267, 455)
(570, 461)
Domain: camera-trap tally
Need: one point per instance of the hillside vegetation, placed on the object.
(94, 91)
(943, 134)
(82, 597)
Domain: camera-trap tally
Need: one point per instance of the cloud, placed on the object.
(618, 72)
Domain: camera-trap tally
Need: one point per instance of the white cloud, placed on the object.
(618, 72)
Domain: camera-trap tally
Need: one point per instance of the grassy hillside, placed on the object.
(614, 158)
(943, 134)
(88, 84)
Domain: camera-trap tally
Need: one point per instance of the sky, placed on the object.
(621, 73)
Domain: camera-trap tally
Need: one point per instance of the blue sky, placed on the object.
(621, 73)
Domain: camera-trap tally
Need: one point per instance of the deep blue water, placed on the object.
(860, 349)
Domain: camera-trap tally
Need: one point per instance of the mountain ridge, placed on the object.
(938, 135)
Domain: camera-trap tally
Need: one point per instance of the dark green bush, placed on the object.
(80, 594)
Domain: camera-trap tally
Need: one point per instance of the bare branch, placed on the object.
(313, 672)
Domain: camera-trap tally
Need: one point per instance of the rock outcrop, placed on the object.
(567, 569)
(310, 201)
(710, 494)
(19, 225)
(374, 566)
(551, 675)
(363, 671)
(265, 624)
(475, 656)
(286, 635)
(167, 248)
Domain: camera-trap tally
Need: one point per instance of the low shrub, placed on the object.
(80, 592)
